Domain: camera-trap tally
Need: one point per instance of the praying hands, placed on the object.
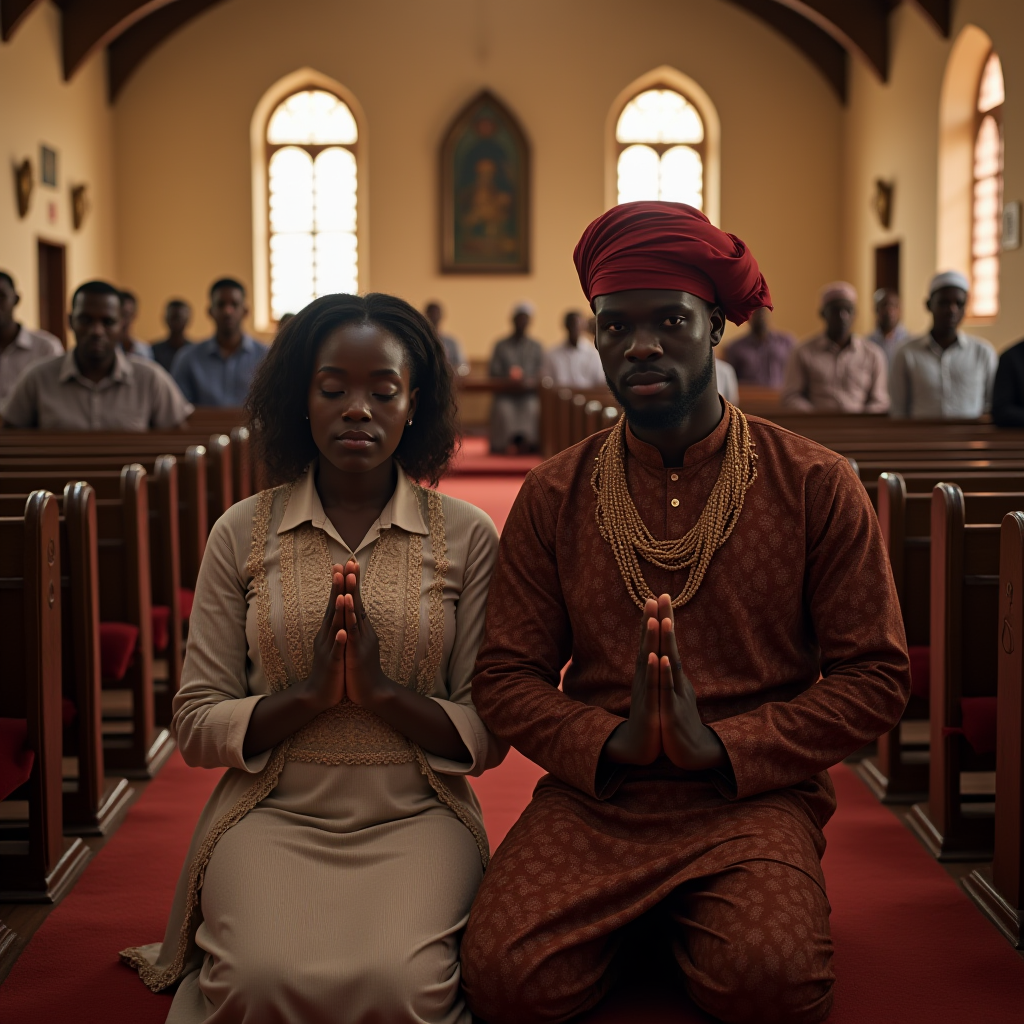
(663, 715)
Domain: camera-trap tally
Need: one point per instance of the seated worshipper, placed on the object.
(177, 315)
(218, 371)
(132, 345)
(515, 412)
(837, 370)
(330, 660)
(944, 373)
(889, 332)
(575, 363)
(760, 356)
(95, 386)
(1008, 391)
(722, 590)
(435, 314)
(20, 346)
(725, 379)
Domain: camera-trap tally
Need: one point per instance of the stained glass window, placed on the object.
(661, 155)
(988, 192)
(312, 188)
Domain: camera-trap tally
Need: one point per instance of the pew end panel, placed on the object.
(37, 863)
(999, 890)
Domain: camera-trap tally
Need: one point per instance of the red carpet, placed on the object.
(475, 457)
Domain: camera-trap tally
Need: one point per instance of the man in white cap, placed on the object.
(516, 364)
(837, 370)
(944, 373)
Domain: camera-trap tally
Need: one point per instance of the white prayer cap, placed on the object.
(949, 279)
(838, 290)
(523, 307)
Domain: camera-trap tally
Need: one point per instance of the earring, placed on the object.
(408, 423)
(307, 417)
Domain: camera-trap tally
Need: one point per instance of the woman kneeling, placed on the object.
(330, 653)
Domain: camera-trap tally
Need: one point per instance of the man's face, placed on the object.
(656, 347)
(8, 300)
(520, 322)
(96, 321)
(433, 314)
(838, 316)
(888, 312)
(228, 309)
(574, 325)
(177, 316)
(947, 307)
(128, 312)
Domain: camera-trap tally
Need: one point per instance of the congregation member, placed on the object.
(435, 314)
(726, 381)
(95, 385)
(721, 593)
(177, 314)
(837, 370)
(575, 363)
(944, 373)
(889, 332)
(129, 311)
(518, 362)
(20, 346)
(760, 356)
(330, 657)
(1008, 390)
(218, 371)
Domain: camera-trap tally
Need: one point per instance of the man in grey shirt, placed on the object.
(20, 347)
(945, 373)
(516, 362)
(96, 386)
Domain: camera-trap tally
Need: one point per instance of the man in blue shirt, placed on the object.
(218, 371)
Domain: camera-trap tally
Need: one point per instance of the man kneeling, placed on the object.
(688, 745)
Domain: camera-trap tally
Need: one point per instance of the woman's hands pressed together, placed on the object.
(663, 715)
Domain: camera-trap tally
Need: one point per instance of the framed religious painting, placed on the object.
(485, 192)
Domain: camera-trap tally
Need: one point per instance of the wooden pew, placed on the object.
(999, 889)
(956, 824)
(899, 771)
(37, 863)
(164, 550)
(102, 450)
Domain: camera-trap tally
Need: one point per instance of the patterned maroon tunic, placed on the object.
(795, 648)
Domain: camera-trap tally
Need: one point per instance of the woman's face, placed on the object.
(359, 397)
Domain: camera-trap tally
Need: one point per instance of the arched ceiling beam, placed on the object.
(828, 56)
(861, 25)
(12, 12)
(132, 47)
(90, 24)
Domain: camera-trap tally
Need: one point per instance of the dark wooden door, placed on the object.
(52, 290)
(887, 267)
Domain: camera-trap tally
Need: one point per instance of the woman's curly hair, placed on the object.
(278, 401)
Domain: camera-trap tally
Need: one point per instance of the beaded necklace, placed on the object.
(621, 526)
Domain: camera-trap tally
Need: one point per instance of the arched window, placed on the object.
(661, 149)
(311, 188)
(987, 205)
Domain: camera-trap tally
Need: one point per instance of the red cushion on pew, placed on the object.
(161, 617)
(68, 712)
(185, 599)
(117, 645)
(16, 759)
(920, 670)
(979, 718)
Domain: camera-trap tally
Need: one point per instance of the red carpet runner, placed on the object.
(910, 947)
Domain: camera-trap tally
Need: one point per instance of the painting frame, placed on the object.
(485, 191)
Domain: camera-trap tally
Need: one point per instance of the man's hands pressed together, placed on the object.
(663, 715)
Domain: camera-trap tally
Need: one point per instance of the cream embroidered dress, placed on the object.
(329, 879)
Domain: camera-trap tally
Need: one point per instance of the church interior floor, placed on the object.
(910, 945)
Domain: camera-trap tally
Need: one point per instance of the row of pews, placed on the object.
(101, 538)
(950, 502)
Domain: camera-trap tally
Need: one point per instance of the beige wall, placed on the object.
(38, 106)
(182, 139)
(892, 132)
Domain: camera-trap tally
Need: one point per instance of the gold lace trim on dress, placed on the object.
(345, 733)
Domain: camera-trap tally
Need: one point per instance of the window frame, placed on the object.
(996, 113)
(661, 148)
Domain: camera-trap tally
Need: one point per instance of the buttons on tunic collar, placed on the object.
(675, 503)
(674, 477)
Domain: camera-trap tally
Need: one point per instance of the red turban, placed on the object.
(670, 246)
